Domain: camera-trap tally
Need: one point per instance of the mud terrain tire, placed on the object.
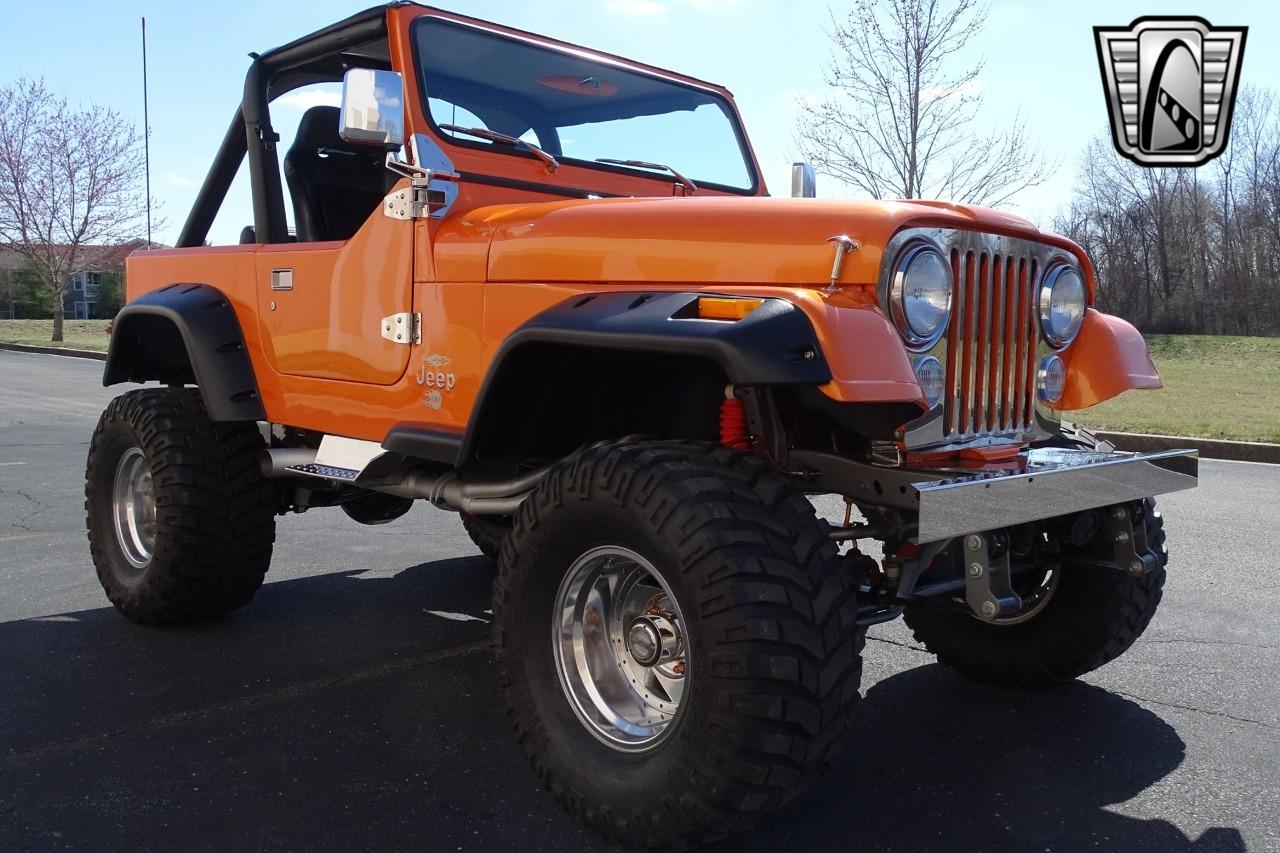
(487, 532)
(214, 511)
(772, 643)
(1093, 617)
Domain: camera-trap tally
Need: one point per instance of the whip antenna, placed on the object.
(146, 130)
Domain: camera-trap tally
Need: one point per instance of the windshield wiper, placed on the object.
(493, 136)
(689, 186)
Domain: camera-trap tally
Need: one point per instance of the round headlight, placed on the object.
(920, 295)
(1051, 379)
(1062, 304)
(929, 373)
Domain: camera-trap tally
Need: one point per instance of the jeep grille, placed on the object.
(991, 344)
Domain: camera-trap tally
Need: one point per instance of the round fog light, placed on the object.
(929, 373)
(1051, 379)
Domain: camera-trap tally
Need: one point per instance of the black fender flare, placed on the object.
(774, 344)
(186, 334)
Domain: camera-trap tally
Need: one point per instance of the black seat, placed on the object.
(335, 185)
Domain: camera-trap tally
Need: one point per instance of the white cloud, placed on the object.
(305, 99)
(716, 5)
(637, 8)
(173, 179)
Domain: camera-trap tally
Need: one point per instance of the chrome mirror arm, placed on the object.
(417, 174)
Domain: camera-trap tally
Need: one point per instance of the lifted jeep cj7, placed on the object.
(544, 288)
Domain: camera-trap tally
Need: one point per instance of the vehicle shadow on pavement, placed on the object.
(352, 710)
(939, 763)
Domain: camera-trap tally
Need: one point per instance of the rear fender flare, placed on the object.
(186, 334)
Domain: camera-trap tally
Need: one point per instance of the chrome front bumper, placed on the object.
(1042, 483)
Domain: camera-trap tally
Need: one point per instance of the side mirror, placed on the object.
(372, 108)
(803, 181)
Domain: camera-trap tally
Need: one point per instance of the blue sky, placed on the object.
(1040, 59)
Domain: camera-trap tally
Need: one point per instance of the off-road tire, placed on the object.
(487, 532)
(775, 650)
(1093, 617)
(215, 510)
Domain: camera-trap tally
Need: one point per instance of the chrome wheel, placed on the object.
(620, 648)
(133, 508)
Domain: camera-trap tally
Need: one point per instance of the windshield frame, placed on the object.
(721, 99)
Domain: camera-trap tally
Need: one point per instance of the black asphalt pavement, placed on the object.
(353, 704)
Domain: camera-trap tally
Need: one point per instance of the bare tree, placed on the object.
(1188, 250)
(900, 120)
(70, 180)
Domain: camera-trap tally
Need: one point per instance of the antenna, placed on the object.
(146, 129)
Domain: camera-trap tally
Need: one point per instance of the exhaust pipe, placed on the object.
(275, 461)
(447, 490)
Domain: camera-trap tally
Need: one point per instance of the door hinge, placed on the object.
(403, 328)
(412, 202)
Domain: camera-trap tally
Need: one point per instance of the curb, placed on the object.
(1210, 448)
(67, 351)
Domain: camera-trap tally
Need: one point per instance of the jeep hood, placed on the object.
(763, 241)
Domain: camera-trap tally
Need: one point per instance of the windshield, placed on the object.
(577, 108)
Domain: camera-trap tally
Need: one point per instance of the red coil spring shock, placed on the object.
(733, 424)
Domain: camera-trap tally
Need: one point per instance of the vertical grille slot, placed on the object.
(983, 309)
(954, 384)
(991, 340)
(1009, 336)
(1024, 343)
(995, 345)
(970, 309)
(1028, 387)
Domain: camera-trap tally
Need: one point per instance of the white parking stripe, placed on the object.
(456, 617)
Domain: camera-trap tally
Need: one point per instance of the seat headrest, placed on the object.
(319, 128)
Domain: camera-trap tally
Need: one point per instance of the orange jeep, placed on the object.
(545, 288)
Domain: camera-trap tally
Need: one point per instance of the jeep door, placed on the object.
(336, 303)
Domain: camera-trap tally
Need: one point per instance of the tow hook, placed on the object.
(987, 590)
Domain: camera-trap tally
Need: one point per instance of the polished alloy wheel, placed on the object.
(620, 648)
(133, 507)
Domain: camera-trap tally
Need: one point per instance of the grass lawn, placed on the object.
(77, 334)
(1214, 387)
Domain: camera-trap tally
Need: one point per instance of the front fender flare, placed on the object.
(774, 344)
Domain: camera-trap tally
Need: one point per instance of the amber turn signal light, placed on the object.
(718, 308)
